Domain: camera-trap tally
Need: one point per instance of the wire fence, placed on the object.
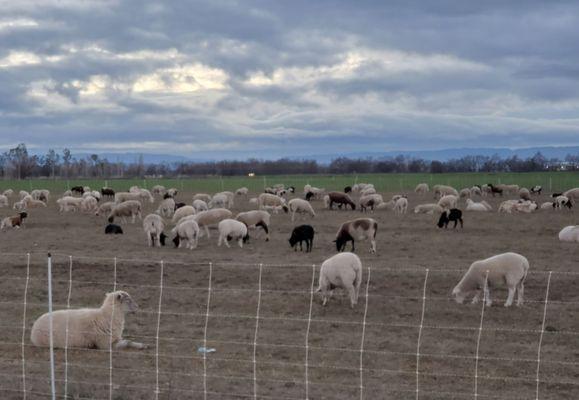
(259, 331)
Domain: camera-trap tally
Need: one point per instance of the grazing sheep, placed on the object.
(524, 194)
(508, 269)
(8, 192)
(20, 205)
(422, 188)
(113, 229)
(211, 217)
(219, 200)
(302, 233)
(132, 196)
(537, 189)
(465, 193)
(230, 229)
(341, 199)
(448, 201)
(429, 208)
(483, 206)
(186, 231)
(443, 190)
(15, 221)
(256, 218)
(31, 203)
(569, 234)
(476, 190)
(200, 205)
(447, 216)
(94, 193)
(182, 212)
(300, 206)
(202, 196)
(386, 205)
(129, 208)
(92, 328)
(166, 207)
(159, 189)
(40, 194)
(359, 229)
(172, 192)
(562, 201)
(316, 193)
(105, 208)
(89, 204)
(369, 201)
(69, 203)
(230, 198)
(3, 200)
(342, 270)
(242, 191)
(153, 226)
(271, 200)
(77, 189)
(401, 206)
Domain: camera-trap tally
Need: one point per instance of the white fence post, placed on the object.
(50, 332)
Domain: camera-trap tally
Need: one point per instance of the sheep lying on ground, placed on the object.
(14, 221)
(92, 328)
(357, 229)
(483, 206)
(256, 218)
(302, 233)
(340, 199)
(454, 214)
(443, 190)
(129, 208)
(166, 208)
(449, 201)
(343, 270)
(429, 208)
(548, 205)
(508, 268)
(524, 194)
(200, 205)
(112, 229)
(422, 188)
(569, 234)
(183, 212)
(507, 206)
(266, 200)
(188, 231)
(525, 206)
(153, 226)
(300, 206)
(401, 206)
(211, 217)
(231, 229)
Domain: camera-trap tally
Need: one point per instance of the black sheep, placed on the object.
(300, 234)
(107, 192)
(348, 189)
(113, 229)
(454, 215)
(77, 189)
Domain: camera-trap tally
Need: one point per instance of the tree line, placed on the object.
(18, 163)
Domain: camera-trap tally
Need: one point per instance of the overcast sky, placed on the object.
(287, 77)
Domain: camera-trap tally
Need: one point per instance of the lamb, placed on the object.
(369, 201)
(200, 205)
(92, 328)
(429, 208)
(105, 208)
(465, 193)
(14, 221)
(128, 196)
(166, 208)
(242, 191)
(507, 268)
(256, 218)
(360, 229)
(20, 205)
(300, 206)
(443, 190)
(211, 217)
(219, 200)
(182, 212)
(524, 194)
(112, 229)
(129, 208)
(188, 231)
(483, 206)
(3, 200)
(368, 191)
(569, 234)
(422, 188)
(448, 201)
(230, 229)
(69, 203)
(401, 206)
(342, 270)
(202, 196)
(271, 200)
(341, 198)
(447, 216)
(302, 233)
(153, 226)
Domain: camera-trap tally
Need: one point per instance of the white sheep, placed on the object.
(31, 203)
(22, 194)
(202, 196)
(254, 201)
(465, 193)
(230, 197)
(548, 205)
(300, 206)
(475, 190)
(143, 194)
(429, 208)
(231, 229)
(211, 217)
(8, 192)
(242, 191)
(448, 201)
(507, 268)
(182, 212)
(200, 205)
(69, 203)
(219, 200)
(153, 226)
(443, 190)
(187, 230)
(159, 189)
(508, 188)
(40, 194)
(343, 270)
(92, 328)
(422, 188)
(569, 234)
(172, 192)
(271, 200)
(482, 206)
(255, 218)
(368, 191)
(401, 206)
(129, 208)
(524, 194)
(525, 206)
(105, 208)
(507, 206)
(3, 200)
(369, 201)
(572, 194)
(89, 204)
(166, 207)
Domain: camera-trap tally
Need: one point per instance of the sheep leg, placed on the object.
(520, 291)
(220, 240)
(489, 301)
(207, 231)
(373, 247)
(158, 240)
(476, 297)
(353, 298)
(149, 240)
(293, 215)
(510, 297)
(128, 344)
(240, 242)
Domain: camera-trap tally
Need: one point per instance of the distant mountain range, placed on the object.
(440, 155)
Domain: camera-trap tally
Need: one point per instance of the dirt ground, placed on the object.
(371, 349)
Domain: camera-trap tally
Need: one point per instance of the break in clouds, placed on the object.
(287, 78)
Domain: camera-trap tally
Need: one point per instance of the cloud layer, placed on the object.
(287, 77)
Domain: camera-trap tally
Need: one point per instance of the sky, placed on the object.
(287, 77)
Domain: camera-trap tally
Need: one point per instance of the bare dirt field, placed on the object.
(296, 348)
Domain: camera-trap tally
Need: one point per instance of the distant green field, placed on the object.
(551, 181)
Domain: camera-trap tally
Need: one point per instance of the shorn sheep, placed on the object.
(357, 229)
(231, 229)
(343, 270)
(256, 218)
(422, 188)
(92, 328)
(569, 234)
(153, 226)
(187, 231)
(302, 233)
(508, 269)
(300, 206)
(130, 208)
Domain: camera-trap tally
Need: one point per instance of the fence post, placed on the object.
(50, 332)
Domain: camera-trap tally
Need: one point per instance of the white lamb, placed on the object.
(483, 206)
(166, 207)
(129, 208)
(300, 206)
(422, 188)
(200, 205)
(448, 201)
(153, 226)
(344, 270)
(508, 268)
(231, 229)
(92, 328)
(182, 212)
(401, 206)
(186, 231)
(569, 234)
(429, 208)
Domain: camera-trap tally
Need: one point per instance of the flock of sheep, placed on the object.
(102, 327)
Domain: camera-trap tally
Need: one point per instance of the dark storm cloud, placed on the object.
(304, 76)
